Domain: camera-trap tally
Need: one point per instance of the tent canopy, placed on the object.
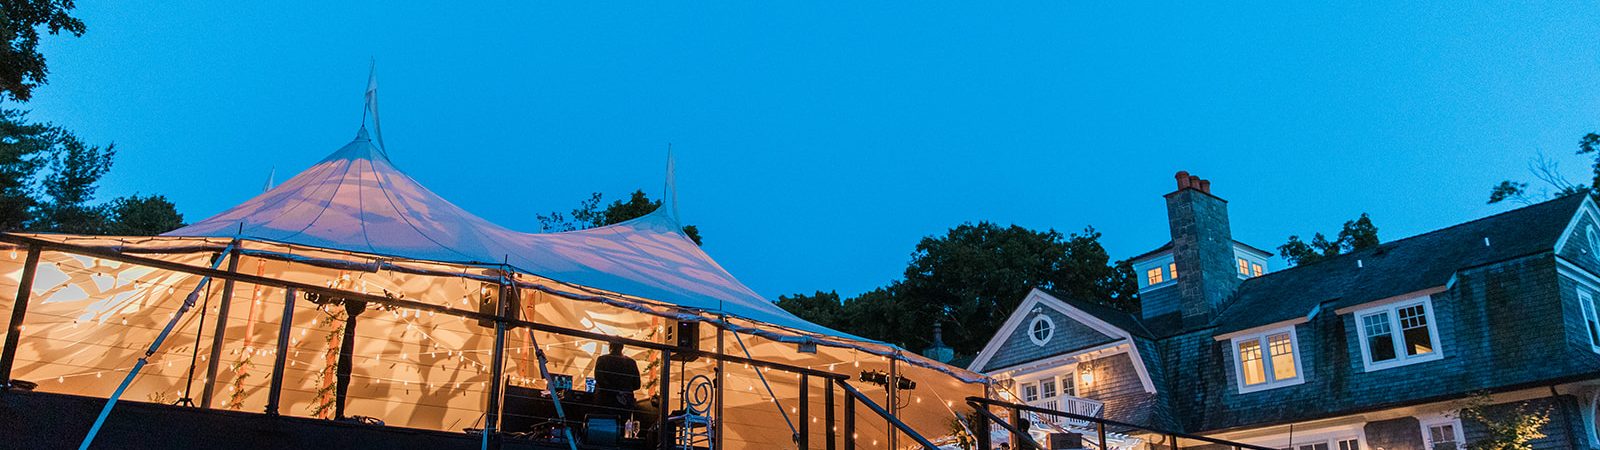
(357, 200)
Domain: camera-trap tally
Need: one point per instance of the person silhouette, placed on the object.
(615, 378)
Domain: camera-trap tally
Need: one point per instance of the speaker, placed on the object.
(685, 335)
(601, 430)
(1064, 441)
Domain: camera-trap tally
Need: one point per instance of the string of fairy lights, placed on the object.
(155, 291)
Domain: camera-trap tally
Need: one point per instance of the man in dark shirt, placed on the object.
(615, 378)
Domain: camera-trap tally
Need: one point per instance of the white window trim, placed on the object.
(1042, 317)
(1591, 312)
(1455, 422)
(1400, 359)
(1266, 360)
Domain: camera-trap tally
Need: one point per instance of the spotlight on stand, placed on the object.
(882, 379)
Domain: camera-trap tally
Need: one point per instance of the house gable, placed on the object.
(1575, 245)
(1075, 331)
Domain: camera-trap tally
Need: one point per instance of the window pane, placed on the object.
(1255, 270)
(1153, 276)
(1041, 330)
(1316, 446)
(1172, 270)
(1349, 444)
(1254, 371)
(1282, 356)
(1030, 392)
(1414, 325)
(1048, 387)
(1244, 267)
(1068, 387)
(1380, 342)
(1442, 436)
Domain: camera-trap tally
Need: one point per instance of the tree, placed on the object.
(22, 68)
(821, 308)
(1547, 171)
(1505, 427)
(589, 214)
(24, 149)
(75, 170)
(971, 279)
(137, 215)
(1356, 235)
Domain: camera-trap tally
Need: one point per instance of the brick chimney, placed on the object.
(1202, 249)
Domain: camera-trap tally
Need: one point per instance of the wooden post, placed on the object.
(1016, 426)
(716, 438)
(804, 439)
(849, 423)
(666, 433)
(1100, 428)
(19, 311)
(276, 389)
(341, 386)
(222, 327)
(829, 427)
(980, 430)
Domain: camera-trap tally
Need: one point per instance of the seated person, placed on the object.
(615, 379)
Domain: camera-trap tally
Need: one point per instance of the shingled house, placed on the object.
(1374, 349)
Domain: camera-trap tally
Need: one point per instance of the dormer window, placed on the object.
(1244, 267)
(1153, 276)
(1267, 360)
(1398, 334)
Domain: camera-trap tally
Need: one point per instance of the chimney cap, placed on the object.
(1187, 180)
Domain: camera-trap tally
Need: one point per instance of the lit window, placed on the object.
(1267, 360)
(1244, 267)
(1153, 276)
(1398, 334)
(1282, 356)
(1586, 300)
(1041, 329)
(1443, 435)
(1068, 386)
(1255, 269)
(1255, 372)
(1172, 271)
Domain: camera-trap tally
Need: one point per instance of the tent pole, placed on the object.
(341, 387)
(188, 302)
(894, 399)
(665, 433)
(497, 367)
(222, 328)
(276, 388)
(849, 422)
(716, 438)
(19, 310)
(194, 354)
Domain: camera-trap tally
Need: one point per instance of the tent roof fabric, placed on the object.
(356, 200)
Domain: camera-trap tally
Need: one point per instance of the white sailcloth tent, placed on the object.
(355, 223)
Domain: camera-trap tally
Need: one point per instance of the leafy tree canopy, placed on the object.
(48, 180)
(22, 68)
(137, 215)
(1548, 172)
(589, 214)
(971, 279)
(1356, 235)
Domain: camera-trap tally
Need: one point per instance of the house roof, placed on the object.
(1117, 318)
(1168, 246)
(1399, 267)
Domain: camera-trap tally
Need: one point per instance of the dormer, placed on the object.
(1249, 262)
(1202, 264)
(1156, 269)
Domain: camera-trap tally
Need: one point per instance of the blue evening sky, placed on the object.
(818, 142)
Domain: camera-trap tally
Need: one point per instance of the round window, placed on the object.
(1041, 329)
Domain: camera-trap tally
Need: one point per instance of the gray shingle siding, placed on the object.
(1070, 335)
(1116, 382)
(1160, 301)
